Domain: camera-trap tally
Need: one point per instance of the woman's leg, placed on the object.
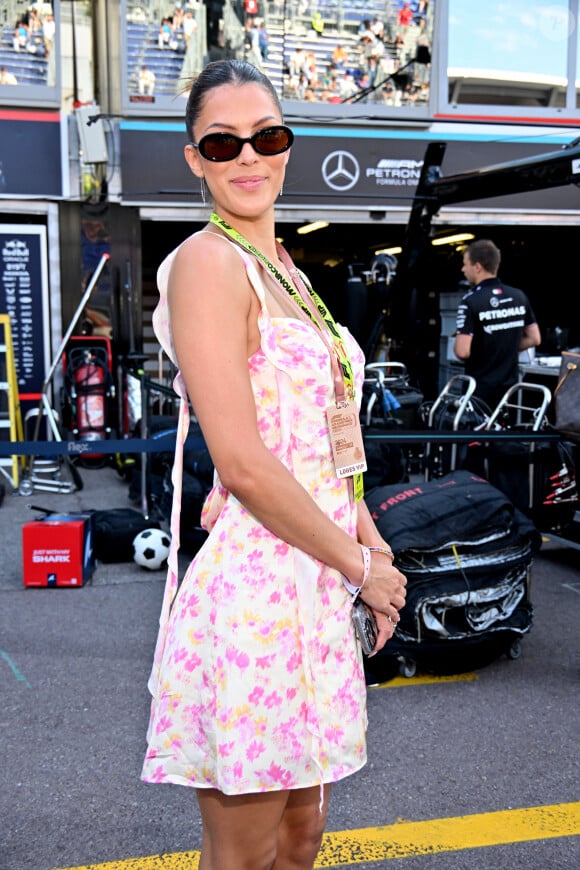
(240, 832)
(301, 829)
(272, 831)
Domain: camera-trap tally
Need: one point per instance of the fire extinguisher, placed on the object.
(89, 394)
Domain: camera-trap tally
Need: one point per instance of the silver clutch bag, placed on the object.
(365, 626)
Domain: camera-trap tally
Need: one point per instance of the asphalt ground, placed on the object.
(475, 771)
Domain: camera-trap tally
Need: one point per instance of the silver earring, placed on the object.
(202, 189)
(282, 190)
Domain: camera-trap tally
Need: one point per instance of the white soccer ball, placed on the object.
(151, 548)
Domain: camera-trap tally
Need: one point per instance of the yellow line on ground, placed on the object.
(423, 678)
(406, 839)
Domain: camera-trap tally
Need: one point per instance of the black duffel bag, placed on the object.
(114, 532)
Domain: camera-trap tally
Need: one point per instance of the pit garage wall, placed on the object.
(31, 178)
(38, 188)
(333, 167)
(30, 154)
(358, 176)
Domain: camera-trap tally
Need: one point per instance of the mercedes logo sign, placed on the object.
(340, 170)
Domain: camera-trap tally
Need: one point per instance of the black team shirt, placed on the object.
(495, 315)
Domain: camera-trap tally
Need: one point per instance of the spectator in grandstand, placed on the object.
(421, 14)
(258, 686)
(263, 40)
(317, 24)
(348, 86)
(494, 323)
(389, 94)
(301, 86)
(329, 76)
(378, 29)
(178, 18)
(165, 35)
(146, 81)
(251, 9)
(252, 43)
(422, 69)
(189, 26)
(33, 20)
(311, 69)
(20, 36)
(365, 43)
(405, 15)
(298, 61)
(371, 51)
(48, 31)
(365, 29)
(7, 78)
(372, 71)
(340, 56)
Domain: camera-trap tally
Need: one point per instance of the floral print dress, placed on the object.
(257, 683)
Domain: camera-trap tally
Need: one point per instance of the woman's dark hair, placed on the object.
(223, 72)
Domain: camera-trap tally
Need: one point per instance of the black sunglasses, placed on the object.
(269, 141)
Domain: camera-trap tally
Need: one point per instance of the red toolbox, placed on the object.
(58, 551)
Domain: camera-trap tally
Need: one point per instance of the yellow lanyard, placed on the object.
(320, 308)
(318, 314)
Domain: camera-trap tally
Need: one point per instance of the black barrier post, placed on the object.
(145, 435)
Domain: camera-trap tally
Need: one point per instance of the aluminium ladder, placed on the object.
(10, 414)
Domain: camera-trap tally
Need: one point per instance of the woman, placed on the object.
(258, 686)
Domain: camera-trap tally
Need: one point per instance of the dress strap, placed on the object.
(172, 580)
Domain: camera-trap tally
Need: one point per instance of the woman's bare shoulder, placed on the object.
(209, 249)
(209, 266)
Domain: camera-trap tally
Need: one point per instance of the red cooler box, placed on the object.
(58, 551)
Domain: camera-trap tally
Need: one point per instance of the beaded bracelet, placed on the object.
(386, 550)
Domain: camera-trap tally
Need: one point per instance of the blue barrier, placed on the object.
(78, 448)
(166, 443)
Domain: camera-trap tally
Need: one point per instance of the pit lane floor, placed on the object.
(466, 773)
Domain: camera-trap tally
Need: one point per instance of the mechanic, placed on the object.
(494, 324)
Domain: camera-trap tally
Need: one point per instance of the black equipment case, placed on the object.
(538, 477)
(467, 553)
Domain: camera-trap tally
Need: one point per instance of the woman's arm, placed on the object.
(214, 322)
(367, 531)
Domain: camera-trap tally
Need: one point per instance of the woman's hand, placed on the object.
(385, 588)
(386, 629)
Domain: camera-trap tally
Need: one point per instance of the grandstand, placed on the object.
(143, 49)
(288, 24)
(282, 44)
(30, 66)
(343, 25)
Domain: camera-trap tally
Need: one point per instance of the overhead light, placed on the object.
(452, 240)
(309, 228)
(389, 251)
